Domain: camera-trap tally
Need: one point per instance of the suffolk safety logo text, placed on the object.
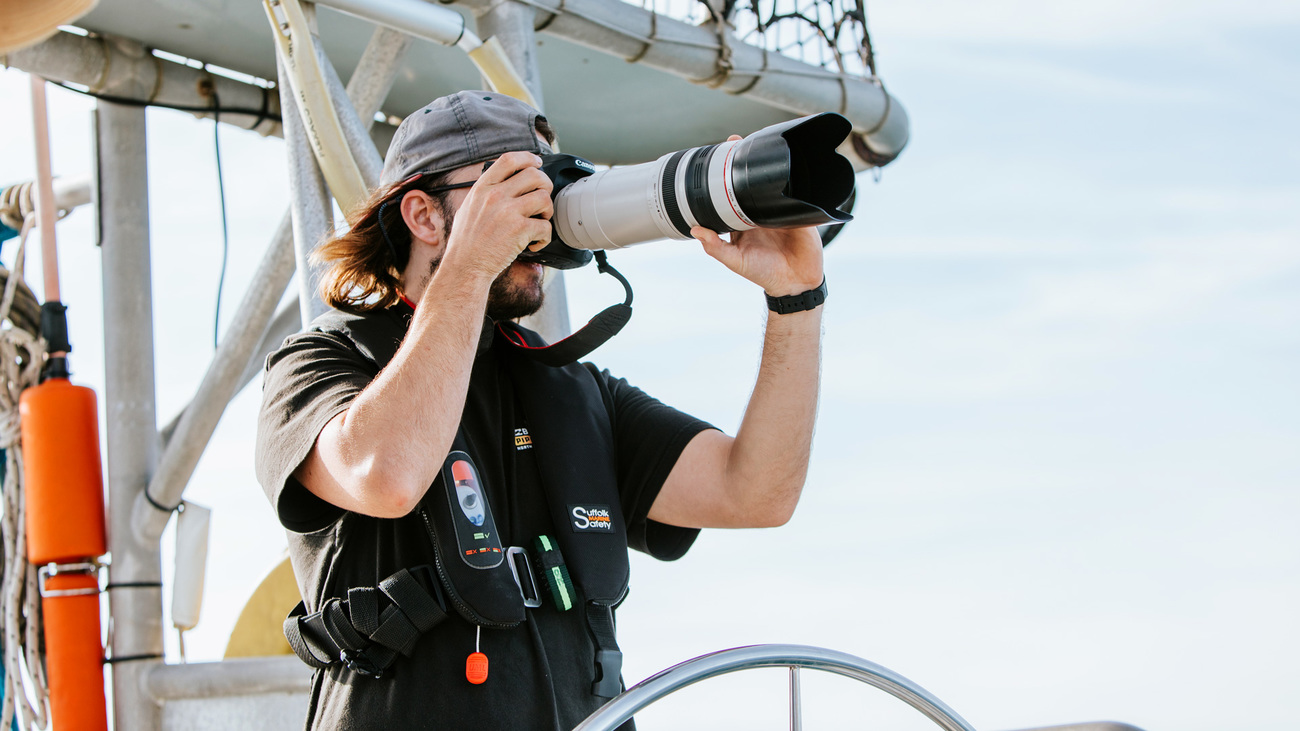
(591, 519)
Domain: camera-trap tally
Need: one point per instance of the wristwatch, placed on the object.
(809, 300)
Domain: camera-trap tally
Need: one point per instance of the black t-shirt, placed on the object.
(540, 672)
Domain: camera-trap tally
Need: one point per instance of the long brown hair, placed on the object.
(363, 265)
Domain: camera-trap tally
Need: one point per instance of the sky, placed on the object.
(1055, 474)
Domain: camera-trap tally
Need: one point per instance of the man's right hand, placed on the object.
(506, 210)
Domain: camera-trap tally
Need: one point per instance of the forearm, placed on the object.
(768, 461)
(380, 455)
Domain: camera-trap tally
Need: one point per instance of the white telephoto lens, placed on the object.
(615, 208)
(722, 188)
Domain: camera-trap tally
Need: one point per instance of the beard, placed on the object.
(509, 297)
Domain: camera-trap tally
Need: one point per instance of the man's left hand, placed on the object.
(781, 261)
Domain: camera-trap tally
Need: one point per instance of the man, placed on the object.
(409, 441)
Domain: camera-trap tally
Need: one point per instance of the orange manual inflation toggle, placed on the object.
(476, 668)
(74, 654)
(65, 493)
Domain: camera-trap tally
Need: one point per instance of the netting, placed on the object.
(831, 34)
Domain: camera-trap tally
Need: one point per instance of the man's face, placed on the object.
(517, 291)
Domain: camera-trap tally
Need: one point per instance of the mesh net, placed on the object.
(831, 34)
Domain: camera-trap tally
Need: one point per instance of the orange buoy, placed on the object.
(74, 651)
(61, 468)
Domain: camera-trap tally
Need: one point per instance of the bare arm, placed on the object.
(380, 455)
(755, 478)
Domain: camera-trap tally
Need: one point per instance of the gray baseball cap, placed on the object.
(458, 130)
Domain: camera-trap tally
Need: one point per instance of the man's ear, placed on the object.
(423, 217)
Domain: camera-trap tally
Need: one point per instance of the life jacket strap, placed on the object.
(609, 658)
(367, 631)
(554, 573)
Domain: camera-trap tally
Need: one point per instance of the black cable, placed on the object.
(158, 505)
(261, 114)
(225, 229)
(133, 585)
(133, 658)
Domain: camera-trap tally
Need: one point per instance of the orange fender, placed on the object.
(61, 467)
(74, 652)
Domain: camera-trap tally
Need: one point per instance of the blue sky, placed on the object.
(1055, 477)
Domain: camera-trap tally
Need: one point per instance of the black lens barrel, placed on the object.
(697, 190)
(668, 186)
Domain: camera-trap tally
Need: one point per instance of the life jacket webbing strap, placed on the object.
(609, 659)
(554, 573)
(355, 632)
(312, 653)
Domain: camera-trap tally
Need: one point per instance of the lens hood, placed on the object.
(790, 175)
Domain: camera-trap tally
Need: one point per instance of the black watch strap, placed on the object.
(809, 300)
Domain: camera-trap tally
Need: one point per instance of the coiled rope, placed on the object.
(21, 355)
(17, 202)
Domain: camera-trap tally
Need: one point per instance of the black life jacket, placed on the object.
(575, 460)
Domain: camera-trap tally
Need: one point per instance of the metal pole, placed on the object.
(431, 22)
(188, 437)
(355, 128)
(135, 606)
(309, 203)
(512, 24)
(376, 71)
(219, 385)
(285, 322)
(229, 678)
(618, 710)
(123, 68)
(693, 52)
(796, 700)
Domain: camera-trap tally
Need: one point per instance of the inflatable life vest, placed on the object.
(474, 575)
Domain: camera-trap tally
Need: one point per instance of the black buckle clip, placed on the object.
(357, 662)
(609, 663)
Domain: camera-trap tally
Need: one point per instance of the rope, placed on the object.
(17, 202)
(21, 354)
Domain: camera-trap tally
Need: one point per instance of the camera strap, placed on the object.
(605, 325)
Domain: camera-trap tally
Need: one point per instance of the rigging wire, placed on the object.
(225, 228)
(263, 115)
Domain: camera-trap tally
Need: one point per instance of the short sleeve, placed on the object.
(308, 381)
(649, 436)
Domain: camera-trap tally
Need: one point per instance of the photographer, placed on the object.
(409, 443)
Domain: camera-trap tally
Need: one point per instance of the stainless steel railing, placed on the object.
(794, 657)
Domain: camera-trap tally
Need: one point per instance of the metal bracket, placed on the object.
(54, 569)
(524, 578)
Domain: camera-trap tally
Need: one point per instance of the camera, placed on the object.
(788, 175)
